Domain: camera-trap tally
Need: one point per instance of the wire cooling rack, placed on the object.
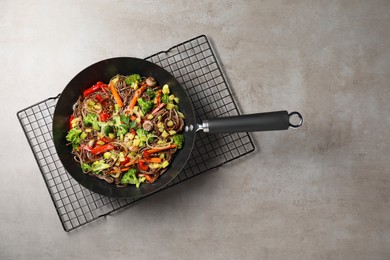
(195, 66)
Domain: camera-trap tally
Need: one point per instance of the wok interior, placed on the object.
(104, 71)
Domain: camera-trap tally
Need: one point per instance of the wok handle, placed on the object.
(269, 121)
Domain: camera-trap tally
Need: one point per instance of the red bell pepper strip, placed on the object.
(101, 149)
(146, 155)
(70, 121)
(93, 89)
(99, 98)
(104, 117)
(142, 166)
(106, 139)
(86, 147)
(127, 159)
(158, 108)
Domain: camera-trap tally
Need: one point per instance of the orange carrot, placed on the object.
(137, 94)
(133, 101)
(116, 95)
(158, 99)
(131, 163)
(148, 178)
(153, 160)
(159, 149)
(125, 169)
(115, 170)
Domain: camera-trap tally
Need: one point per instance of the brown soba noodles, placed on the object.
(126, 132)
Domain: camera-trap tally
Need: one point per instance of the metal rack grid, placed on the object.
(195, 66)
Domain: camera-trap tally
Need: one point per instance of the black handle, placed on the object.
(251, 123)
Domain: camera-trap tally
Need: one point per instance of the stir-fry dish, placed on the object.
(127, 131)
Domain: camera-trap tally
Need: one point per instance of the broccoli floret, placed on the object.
(99, 166)
(145, 106)
(125, 119)
(73, 136)
(130, 177)
(143, 136)
(178, 139)
(86, 167)
(117, 120)
(107, 129)
(122, 130)
(142, 133)
(150, 93)
(92, 119)
(122, 124)
(133, 79)
(165, 99)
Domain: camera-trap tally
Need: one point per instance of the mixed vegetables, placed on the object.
(127, 131)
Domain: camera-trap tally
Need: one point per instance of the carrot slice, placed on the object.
(116, 95)
(158, 149)
(153, 160)
(158, 99)
(148, 178)
(137, 94)
(131, 163)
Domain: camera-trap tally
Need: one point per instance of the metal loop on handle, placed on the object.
(300, 119)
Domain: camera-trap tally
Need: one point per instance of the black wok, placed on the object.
(104, 71)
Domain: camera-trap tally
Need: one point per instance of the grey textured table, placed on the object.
(320, 192)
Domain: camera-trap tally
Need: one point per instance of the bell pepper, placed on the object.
(158, 108)
(99, 85)
(127, 159)
(106, 139)
(70, 121)
(142, 166)
(103, 117)
(99, 98)
(86, 147)
(101, 149)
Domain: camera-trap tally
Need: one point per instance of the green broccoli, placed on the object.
(145, 106)
(107, 129)
(99, 166)
(142, 133)
(143, 136)
(92, 119)
(122, 130)
(133, 79)
(125, 119)
(178, 139)
(165, 99)
(73, 136)
(131, 178)
(86, 167)
(150, 93)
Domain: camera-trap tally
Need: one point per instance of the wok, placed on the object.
(104, 71)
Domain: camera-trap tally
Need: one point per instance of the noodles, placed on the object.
(129, 143)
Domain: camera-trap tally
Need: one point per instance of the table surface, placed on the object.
(319, 192)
